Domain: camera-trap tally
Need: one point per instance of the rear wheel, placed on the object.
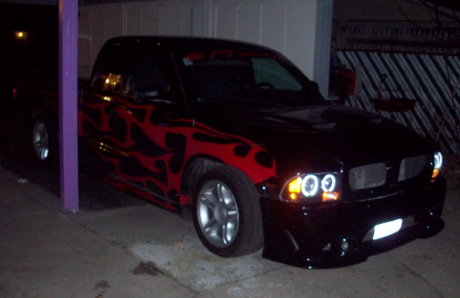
(226, 212)
(42, 140)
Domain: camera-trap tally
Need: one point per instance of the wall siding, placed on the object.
(432, 80)
(291, 27)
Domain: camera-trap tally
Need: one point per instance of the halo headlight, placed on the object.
(310, 185)
(328, 183)
(438, 160)
(318, 187)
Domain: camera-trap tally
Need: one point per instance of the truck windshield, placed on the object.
(261, 77)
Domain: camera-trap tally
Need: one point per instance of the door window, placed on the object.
(146, 76)
(109, 75)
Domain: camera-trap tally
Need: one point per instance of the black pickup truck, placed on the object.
(236, 135)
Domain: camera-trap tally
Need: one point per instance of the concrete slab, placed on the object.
(169, 242)
(127, 226)
(145, 251)
(436, 260)
(422, 268)
(379, 277)
(20, 197)
(44, 253)
(196, 268)
(452, 202)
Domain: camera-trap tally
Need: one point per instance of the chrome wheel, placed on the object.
(226, 212)
(217, 213)
(40, 139)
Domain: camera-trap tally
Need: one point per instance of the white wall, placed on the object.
(300, 29)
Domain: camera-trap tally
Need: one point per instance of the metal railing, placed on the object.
(398, 36)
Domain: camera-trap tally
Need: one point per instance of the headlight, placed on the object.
(328, 183)
(321, 187)
(437, 165)
(310, 185)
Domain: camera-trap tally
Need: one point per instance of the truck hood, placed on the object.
(318, 136)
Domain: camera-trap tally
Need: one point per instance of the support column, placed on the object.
(68, 103)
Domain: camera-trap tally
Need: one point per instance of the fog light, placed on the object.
(387, 228)
(347, 246)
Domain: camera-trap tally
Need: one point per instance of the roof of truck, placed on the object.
(177, 42)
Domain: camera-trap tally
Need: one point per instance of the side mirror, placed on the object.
(153, 93)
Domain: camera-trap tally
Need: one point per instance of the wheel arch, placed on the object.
(200, 164)
(194, 169)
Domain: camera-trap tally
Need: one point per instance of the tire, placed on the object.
(43, 141)
(226, 213)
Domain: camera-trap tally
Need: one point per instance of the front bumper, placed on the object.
(341, 234)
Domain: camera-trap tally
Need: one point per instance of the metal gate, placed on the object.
(432, 80)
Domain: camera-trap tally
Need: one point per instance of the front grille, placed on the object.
(368, 176)
(376, 174)
(411, 167)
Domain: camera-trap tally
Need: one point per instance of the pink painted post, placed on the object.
(68, 113)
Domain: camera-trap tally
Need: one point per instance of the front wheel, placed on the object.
(226, 213)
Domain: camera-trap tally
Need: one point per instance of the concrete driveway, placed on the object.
(139, 250)
(423, 268)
